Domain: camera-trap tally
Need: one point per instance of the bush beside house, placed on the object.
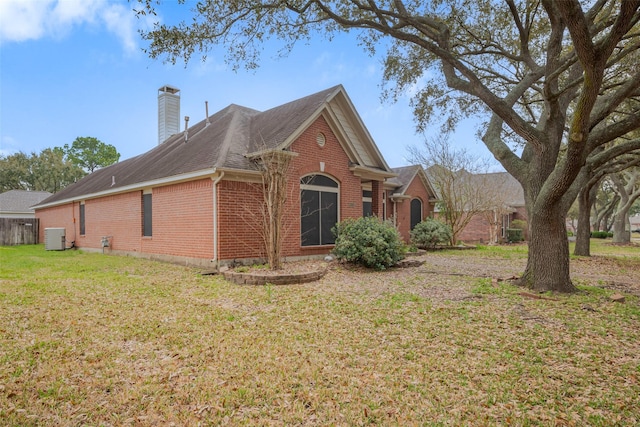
(368, 241)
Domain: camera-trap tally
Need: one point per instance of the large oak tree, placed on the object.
(90, 153)
(48, 170)
(546, 74)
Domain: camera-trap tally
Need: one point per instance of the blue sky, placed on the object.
(71, 68)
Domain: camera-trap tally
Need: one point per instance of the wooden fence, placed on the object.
(19, 231)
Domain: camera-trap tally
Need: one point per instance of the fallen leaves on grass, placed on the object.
(92, 340)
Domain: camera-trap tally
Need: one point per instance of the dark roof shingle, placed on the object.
(222, 142)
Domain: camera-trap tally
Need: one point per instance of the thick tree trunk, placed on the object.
(583, 233)
(625, 184)
(621, 227)
(548, 262)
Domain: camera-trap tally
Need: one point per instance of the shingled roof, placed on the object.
(500, 183)
(406, 174)
(225, 141)
(512, 192)
(21, 201)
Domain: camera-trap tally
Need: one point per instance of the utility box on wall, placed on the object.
(54, 239)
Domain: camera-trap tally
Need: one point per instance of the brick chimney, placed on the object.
(168, 112)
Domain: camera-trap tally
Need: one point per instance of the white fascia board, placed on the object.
(396, 197)
(388, 186)
(366, 172)
(16, 214)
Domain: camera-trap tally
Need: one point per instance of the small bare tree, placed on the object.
(495, 219)
(275, 166)
(464, 188)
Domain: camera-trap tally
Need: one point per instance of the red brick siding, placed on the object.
(117, 216)
(477, 231)
(66, 216)
(521, 213)
(239, 229)
(183, 213)
(416, 190)
(182, 220)
(336, 165)
(240, 203)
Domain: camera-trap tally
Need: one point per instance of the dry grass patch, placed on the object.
(87, 339)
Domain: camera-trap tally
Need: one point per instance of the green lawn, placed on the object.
(89, 339)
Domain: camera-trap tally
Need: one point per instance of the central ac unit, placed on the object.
(54, 239)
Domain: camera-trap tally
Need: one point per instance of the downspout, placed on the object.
(73, 215)
(215, 219)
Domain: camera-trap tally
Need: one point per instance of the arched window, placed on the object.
(319, 197)
(416, 212)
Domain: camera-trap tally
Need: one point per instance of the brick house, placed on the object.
(409, 198)
(196, 198)
(491, 226)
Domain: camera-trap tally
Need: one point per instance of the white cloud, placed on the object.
(121, 22)
(68, 13)
(22, 20)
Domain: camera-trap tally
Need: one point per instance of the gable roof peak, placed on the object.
(227, 139)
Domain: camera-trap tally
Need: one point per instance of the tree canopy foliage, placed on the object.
(557, 81)
(90, 153)
(46, 171)
(54, 168)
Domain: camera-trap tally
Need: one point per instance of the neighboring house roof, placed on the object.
(406, 174)
(502, 183)
(512, 193)
(228, 140)
(15, 202)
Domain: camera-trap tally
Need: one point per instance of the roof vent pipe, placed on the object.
(186, 128)
(206, 109)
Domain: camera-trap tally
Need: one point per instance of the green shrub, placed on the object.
(514, 235)
(430, 233)
(520, 224)
(410, 249)
(368, 241)
(601, 234)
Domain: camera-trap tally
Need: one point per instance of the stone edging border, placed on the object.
(257, 279)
